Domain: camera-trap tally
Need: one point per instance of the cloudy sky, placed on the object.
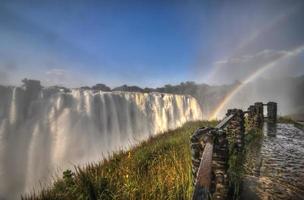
(148, 42)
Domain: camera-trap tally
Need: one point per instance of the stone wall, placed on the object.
(228, 134)
(272, 112)
(236, 128)
(255, 115)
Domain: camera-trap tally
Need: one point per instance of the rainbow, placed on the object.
(252, 77)
(252, 37)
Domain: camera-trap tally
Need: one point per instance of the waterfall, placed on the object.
(44, 132)
(12, 115)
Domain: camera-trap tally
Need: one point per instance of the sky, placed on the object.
(148, 43)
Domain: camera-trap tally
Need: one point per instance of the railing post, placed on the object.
(259, 117)
(272, 112)
(255, 115)
(251, 117)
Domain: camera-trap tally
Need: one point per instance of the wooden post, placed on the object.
(202, 150)
(198, 142)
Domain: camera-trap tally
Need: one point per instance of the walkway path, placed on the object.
(275, 165)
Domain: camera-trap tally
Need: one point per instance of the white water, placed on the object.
(45, 132)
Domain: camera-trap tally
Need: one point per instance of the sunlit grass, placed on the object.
(159, 168)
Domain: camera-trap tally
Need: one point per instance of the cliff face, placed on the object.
(43, 131)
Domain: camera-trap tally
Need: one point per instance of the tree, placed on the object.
(31, 84)
(101, 87)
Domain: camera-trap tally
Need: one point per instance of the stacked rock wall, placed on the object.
(255, 115)
(259, 114)
(250, 117)
(272, 112)
(236, 128)
(229, 133)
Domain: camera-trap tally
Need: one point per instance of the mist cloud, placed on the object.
(238, 68)
(7, 69)
(3, 77)
(56, 76)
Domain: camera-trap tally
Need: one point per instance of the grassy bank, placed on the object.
(159, 168)
(288, 120)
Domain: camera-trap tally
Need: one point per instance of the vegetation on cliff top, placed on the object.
(159, 168)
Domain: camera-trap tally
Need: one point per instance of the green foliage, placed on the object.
(252, 135)
(235, 172)
(68, 178)
(159, 168)
(289, 120)
(285, 119)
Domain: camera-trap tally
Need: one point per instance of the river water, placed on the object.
(274, 165)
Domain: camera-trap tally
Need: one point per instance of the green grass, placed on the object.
(289, 120)
(159, 168)
(285, 119)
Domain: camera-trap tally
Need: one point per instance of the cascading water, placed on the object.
(43, 131)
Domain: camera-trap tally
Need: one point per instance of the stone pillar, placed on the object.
(250, 117)
(236, 128)
(272, 112)
(259, 118)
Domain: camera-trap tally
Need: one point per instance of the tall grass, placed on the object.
(159, 168)
(289, 120)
